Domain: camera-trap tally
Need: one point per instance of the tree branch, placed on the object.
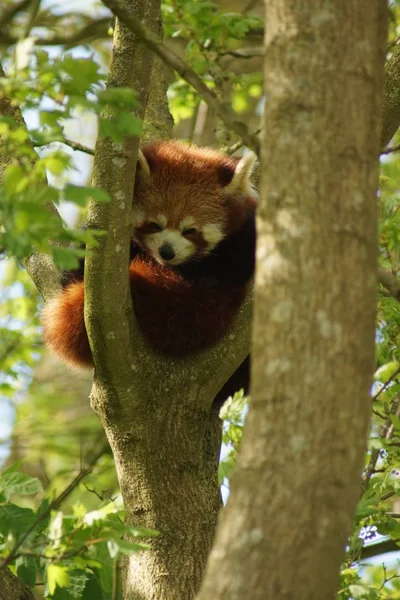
(94, 30)
(40, 267)
(9, 11)
(70, 144)
(391, 98)
(245, 52)
(386, 433)
(152, 41)
(389, 282)
(108, 304)
(384, 547)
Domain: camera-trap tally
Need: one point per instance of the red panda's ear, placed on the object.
(143, 165)
(240, 179)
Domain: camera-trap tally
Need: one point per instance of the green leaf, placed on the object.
(93, 589)
(57, 575)
(26, 568)
(118, 547)
(19, 483)
(15, 180)
(15, 519)
(362, 592)
(57, 162)
(385, 372)
(66, 258)
(75, 588)
(81, 194)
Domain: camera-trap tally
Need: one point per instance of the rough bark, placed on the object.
(391, 98)
(295, 489)
(158, 120)
(12, 588)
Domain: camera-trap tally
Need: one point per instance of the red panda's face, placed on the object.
(175, 243)
(187, 200)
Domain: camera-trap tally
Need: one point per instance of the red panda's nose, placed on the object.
(166, 252)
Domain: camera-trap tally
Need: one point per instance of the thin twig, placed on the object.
(389, 282)
(389, 150)
(95, 30)
(235, 147)
(223, 110)
(386, 384)
(250, 5)
(71, 144)
(245, 52)
(32, 13)
(386, 433)
(371, 550)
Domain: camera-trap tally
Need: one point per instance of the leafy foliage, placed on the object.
(66, 553)
(73, 553)
(57, 89)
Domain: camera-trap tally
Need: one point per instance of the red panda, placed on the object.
(192, 254)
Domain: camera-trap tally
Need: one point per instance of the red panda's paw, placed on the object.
(64, 327)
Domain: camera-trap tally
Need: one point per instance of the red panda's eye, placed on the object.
(155, 226)
(189, 231)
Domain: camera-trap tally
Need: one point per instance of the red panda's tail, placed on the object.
(64, 326)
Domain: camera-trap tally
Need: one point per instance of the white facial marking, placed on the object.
(212, 234)
(187, 223)
(138, 217)
(161, 220)
(182, 247)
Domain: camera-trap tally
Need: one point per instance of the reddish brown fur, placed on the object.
(179, 310)
(178, 317)
(64, 326)
(194, 189)
(175, 316)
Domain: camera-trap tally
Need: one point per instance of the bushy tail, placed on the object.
(64, 326)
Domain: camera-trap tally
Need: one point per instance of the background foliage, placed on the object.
(61, 519)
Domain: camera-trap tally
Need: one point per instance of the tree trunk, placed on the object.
(165, 436)
(12, 588)
(295, 489)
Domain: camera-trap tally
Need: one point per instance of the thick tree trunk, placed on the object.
(166, 436)
(295, 489)
(12, 588)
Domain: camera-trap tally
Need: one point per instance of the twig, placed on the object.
(389, 150)
(235, 147)
(377, 549)
(54, 504)
(152, 41)
(71, 144)
(386, 384)
(390, 282)
(96, 29)
(9, 12)
(245, 52)
(386, 433)
(250, 5)
(32, 13)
